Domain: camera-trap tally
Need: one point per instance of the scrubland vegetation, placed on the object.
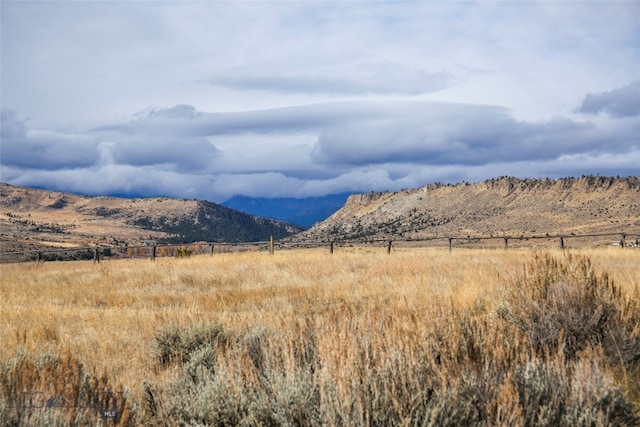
(359, 337)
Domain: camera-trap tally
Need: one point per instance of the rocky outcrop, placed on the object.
(500, 206)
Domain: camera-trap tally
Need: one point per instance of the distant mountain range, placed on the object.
(303, 212)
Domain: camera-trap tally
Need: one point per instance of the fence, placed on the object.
(152, 251)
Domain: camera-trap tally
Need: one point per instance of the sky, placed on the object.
(212, 99)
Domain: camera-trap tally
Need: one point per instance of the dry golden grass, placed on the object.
(109, 314)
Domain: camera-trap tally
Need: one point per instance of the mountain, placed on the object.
(496, 207)
(32, 218)
(303, 212)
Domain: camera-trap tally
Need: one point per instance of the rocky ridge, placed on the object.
(495, 207)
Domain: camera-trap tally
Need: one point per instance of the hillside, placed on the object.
(32, 218)
(496, 207)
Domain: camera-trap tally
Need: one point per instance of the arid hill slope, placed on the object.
(32, 218)
(496, 207)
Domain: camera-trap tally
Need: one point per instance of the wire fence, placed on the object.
(153, 251)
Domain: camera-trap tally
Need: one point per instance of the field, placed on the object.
(304, 337)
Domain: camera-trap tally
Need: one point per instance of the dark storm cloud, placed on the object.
(621, 102)
(432, 140)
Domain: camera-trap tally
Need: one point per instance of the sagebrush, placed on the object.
(359, 338)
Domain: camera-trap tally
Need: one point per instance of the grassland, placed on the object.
(302, 337)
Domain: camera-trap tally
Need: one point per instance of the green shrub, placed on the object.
(183, 253)
(564, 304)
(175, 344)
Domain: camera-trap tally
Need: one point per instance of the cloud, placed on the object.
(620, 102)
(49, 150)
(56, 150)
(355, 134)
(11, 126)
(182, 154)
(368, 79)
(276, 120)
(180, 111)
(117, 179)
(446, 133)
(308, 149)
(151, 181)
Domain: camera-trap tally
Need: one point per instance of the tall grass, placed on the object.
(418, 337)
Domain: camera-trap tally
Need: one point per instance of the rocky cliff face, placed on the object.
(502, 206)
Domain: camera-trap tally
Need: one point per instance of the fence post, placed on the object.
(389, 246)
(96, 256)
(212, 246)
(561, 242)
(153, 253)
(450, 240)
(331, 248)
(506, 243)
(272, 248)
(622, 242)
